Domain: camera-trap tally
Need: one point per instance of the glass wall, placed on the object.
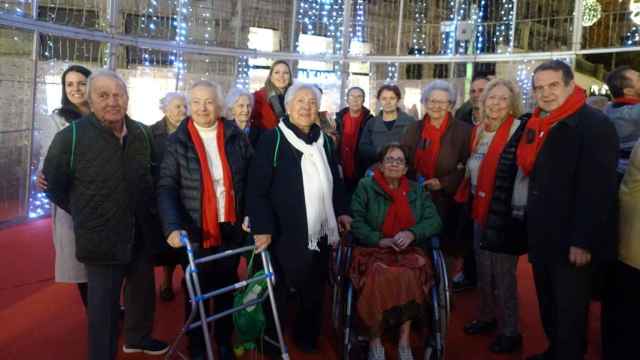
(165, 45)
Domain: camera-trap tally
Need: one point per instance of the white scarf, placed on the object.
(318, 189)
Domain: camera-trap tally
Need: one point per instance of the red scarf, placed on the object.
(350, 129)
(626, 100)
(487, 174)
(210, 228)
(427, 155)
(399, 216)
(538, 128)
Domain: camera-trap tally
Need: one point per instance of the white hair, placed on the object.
(440, 85)
(214, 86)
(168, 98)
(233, 96)
(104, 73)
(297, 87)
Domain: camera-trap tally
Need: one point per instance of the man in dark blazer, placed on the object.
(569, 152)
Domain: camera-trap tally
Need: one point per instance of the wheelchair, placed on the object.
(344, 319)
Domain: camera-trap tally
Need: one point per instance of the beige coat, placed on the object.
(629, 251)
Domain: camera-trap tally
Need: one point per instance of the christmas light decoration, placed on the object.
(591, 13)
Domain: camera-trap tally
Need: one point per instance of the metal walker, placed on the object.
(198, 299)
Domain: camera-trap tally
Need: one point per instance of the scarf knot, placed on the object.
(538, 129)
(317, 181)
(399, 215)
(428, 147)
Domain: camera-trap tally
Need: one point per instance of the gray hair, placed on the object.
(233, 96)
(214, 86)
(440, 85)
(168, 98)
(104, 73)
(299, 86)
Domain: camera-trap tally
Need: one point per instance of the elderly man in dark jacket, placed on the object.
(569, 152)
(201, 191)
(99, 170)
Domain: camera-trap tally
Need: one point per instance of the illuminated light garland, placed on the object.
(182, 13)
(392, 73)
(242, 73)
(478, 20)
(419, 34)
(591, 12)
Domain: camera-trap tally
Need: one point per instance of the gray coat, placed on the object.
(375, 135)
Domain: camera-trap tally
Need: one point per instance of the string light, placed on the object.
(242, 73)
(419, 34)
(392, 73)
(478, 20)
(181, 38)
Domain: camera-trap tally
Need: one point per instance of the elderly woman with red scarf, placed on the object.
(440, 146)
(201, 191)
(493, 145)
(392, 218)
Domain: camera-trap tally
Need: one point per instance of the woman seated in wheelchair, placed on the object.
(392, 218)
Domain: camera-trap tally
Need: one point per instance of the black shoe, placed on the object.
(480, 327)
(505, 344)
(148, 346)
(464, 284)
(167, 295)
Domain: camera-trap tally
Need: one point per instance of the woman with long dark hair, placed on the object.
(74, 105)
(269, 101)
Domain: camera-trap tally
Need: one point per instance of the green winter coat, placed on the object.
(369, 206)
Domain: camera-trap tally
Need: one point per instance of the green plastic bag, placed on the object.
(250, 321)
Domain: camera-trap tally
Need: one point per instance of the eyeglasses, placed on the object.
(390, 160)
(438, 103)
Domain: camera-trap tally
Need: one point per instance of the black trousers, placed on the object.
(564, 294)
(620, 312)
(212, 276)
(105, 285)
(307, 292)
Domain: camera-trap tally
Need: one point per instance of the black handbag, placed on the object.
(510, 239)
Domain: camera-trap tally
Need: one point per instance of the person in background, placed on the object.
(599, 102)
(74, 105)
(392, 220)
(238, 106)
(201, 192)
(103, 179)
(294, 196)
(439, 145)
(624, 111)
(174, 107)
(486, 185)
(322, 119)
(269, 101)
(350, 122)
(571, 204)
(384, 128)
(620, 311)
(469, 111)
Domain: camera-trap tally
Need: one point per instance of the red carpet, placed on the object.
(40, 319)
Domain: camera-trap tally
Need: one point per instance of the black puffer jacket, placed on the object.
(502, 233)
(180, 183)
(106, 187)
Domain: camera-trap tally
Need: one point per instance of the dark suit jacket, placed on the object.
(573, 190)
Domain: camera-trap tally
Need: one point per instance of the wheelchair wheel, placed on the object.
(441, 308)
